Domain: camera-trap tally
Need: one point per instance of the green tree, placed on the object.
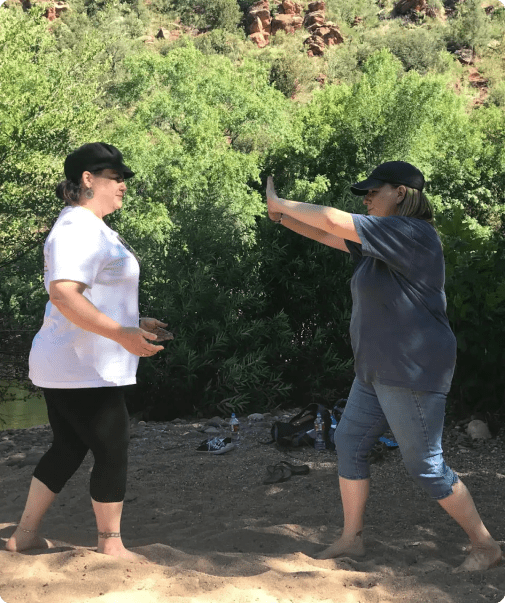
(206, 14)
(470, 27)
(196, 129)
(343, 133)
(48, 103)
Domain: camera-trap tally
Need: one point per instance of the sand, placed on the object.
(214, 532)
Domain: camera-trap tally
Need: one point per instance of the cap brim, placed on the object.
(120, 168)
(362, 188)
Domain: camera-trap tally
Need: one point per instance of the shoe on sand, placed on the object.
(216, 446)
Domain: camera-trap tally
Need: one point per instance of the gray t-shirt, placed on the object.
(400, 332)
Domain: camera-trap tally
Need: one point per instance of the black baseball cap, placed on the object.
(93, 157)
(393, 172)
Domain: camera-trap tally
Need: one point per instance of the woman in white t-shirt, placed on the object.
(88, 347)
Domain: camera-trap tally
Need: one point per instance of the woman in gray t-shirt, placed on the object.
(404, 349)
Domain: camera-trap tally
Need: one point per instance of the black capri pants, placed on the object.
(85, 419)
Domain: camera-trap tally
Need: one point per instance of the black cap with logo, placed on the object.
(93, 157)
(392, 172)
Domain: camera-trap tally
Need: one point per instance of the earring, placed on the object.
(89, 193)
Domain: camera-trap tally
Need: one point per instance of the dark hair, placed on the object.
(69, 191)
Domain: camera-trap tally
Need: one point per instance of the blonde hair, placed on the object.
(415, 204)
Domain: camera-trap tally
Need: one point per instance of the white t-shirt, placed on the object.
(81, 247)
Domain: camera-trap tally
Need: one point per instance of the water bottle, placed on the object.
(235, 429)
(319, 443)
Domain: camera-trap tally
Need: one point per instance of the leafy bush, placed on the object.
(187, 132)
(470, 26)
(291, 70)
(261, 315)
(346, 131)
(475, 285)
(497, 95)
(420, 49)
(205, 14)
(228, 355)
(309, 283)
(345, 11)
(48, 102)
(218, 41)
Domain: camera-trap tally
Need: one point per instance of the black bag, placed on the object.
(296, 432)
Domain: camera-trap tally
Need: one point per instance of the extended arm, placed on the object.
(68, 297)
(327, 219)
(313, 233)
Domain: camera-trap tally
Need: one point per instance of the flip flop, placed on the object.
(296, 469)
(277, 473)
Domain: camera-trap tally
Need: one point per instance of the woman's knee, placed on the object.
(58, 465)
(111, 452)
(433, 475)
(352, 453)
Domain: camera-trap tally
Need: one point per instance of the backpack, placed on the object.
(299, 431)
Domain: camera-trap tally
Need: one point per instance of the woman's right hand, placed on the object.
(135, 341)
(274, 212)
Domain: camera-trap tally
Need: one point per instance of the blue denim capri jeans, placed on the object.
(416, 419)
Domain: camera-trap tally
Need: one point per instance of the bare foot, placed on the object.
(118, 550)
(22, 541)
(481, 558)
(352, 547)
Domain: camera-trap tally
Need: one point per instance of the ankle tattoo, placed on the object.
(358, 534)
(109, 534)
(27, 531)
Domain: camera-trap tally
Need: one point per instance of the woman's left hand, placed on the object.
(155, 326)
(274, 209)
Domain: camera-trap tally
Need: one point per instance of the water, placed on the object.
(21, 407)
(235, 430)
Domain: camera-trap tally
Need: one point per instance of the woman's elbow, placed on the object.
(331, 224)
(57, 299)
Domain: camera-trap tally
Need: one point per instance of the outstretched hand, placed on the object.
(136, 341)
(152, 325)
(274, 211)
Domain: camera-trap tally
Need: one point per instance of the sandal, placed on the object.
(297, 469)
(277, 473)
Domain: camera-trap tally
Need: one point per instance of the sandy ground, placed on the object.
(217, 533)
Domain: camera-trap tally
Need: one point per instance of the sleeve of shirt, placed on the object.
(389, 239)
(75, 254)
(354, 250)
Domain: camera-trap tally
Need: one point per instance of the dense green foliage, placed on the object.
(203, 14)
(261, 315)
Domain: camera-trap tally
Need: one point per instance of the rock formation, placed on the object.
(288, 23)
(258, 23)
(408, 7)
(288, 7)
(261, 25)
(323, 33)
(52, 11)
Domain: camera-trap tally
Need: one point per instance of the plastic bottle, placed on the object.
(319, 443)
(235, 429)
